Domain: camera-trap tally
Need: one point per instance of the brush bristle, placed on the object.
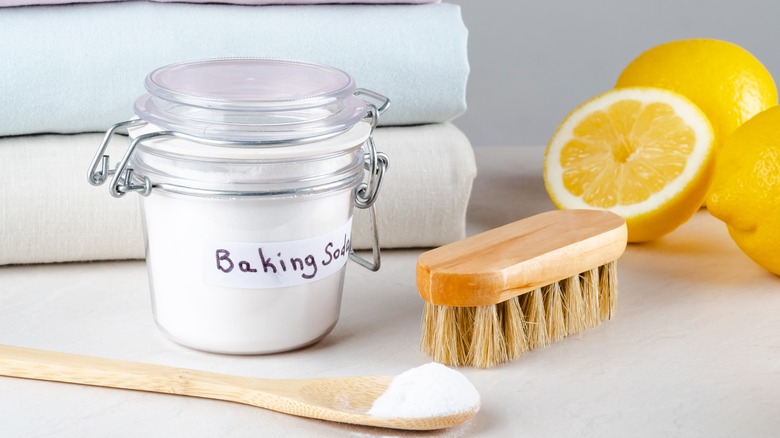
(532, 304)
(573, 306)
(513, 321)
(488, 345)
(447, 333)
(589, 285)
(608, 284)
(487, 336)
(429, 325)
(553, 311)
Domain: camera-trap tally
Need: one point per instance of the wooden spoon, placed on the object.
(343, 400)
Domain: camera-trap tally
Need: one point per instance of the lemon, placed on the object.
(644, 153)
(724, 80)
(745, 191)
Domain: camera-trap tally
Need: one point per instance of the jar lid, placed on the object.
(251, 99)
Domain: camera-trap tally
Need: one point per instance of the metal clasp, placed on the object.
(376, 164)
(122, 175)
(385, 102)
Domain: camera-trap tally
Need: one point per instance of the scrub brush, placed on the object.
(493, 296)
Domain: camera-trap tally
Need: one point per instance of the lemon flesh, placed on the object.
(643, 153)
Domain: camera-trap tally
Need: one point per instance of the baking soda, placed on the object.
(430, 390)
(249, 169)
(195, 310)
(249, 274)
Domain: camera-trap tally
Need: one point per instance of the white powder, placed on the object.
(238, 320)
(430, 390)
(206, 293)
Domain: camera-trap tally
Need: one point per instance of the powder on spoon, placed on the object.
(430, 390)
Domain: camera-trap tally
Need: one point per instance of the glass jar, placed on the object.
(249, 170)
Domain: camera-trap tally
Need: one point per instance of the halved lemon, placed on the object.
(644, 153)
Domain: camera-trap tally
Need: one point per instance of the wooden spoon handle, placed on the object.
(70, 368)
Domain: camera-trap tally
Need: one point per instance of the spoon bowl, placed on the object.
(339, 399)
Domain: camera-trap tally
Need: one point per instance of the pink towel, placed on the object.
(8, 3)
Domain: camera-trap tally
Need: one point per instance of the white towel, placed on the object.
(50, 213)
(10, 3)
(79, 68)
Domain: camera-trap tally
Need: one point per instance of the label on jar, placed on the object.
(276, 264)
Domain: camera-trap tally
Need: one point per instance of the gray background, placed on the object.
(534, 61)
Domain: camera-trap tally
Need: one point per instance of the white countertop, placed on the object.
(694, 349)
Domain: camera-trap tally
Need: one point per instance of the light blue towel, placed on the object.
(79, 68)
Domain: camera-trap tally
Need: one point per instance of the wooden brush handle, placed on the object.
(491, 267)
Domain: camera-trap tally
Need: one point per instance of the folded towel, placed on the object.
(7, 3)
(50, 213)
(79, 68)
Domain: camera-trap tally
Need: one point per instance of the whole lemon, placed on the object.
(745, 190)
(727, 82)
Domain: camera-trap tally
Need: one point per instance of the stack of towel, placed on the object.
(69, 71)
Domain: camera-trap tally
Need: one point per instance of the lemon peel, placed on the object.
(745, 187)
